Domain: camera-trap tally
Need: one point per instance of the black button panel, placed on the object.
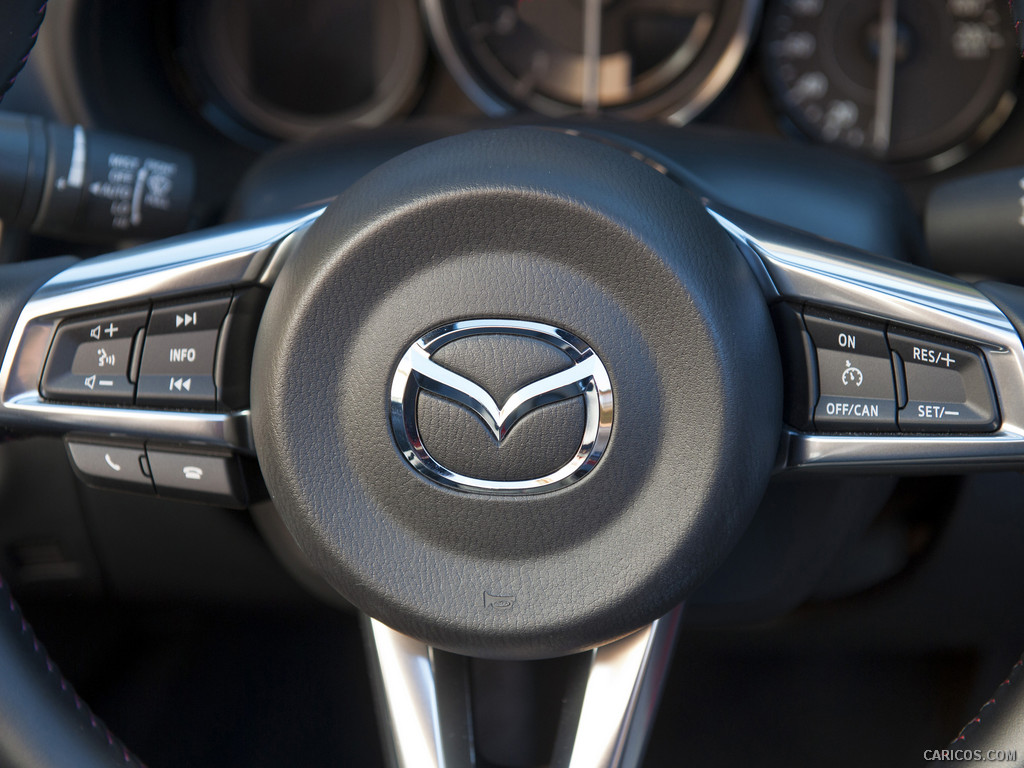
(862, 376)
(180, 355)
(190, 355)
(90, 359)
(856, 389)
(948, 389)
(168, 471)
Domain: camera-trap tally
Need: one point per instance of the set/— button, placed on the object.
(944, 387)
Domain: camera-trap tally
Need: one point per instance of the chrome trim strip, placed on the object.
(725, 68)
(799, 267)
(622, 694)
(619, 700)
(493, 104)
(410, 698)
(223, 257)
(586, 376)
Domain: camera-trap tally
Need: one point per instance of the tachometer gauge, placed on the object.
(902, 80)
(639, 58)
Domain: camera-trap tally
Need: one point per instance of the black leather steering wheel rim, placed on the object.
(44, 723)
(19, 27)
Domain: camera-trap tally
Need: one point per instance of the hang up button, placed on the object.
(855, 376)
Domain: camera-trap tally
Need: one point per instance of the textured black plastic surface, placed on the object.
(537, 225)
(973, 225)
(18, 283)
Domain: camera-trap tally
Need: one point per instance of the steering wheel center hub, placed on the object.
(520, 364)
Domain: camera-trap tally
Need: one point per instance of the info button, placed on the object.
(177, 370)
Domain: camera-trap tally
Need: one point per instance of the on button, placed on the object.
(855, 377)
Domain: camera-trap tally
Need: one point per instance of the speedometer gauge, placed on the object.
(901, 80)
(641, 59)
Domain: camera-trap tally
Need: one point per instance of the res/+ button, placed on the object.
(947, 386)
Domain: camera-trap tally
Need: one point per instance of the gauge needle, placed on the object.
(591, 55)
(886, 81)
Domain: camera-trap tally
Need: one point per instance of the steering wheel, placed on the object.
(515, 393)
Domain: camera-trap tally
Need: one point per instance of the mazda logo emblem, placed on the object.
(586, 376)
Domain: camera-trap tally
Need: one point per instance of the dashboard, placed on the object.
(925, 88)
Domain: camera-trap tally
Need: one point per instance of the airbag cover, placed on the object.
(534, 225)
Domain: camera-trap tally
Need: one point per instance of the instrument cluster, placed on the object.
(917, 84)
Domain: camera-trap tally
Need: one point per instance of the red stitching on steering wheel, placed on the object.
(55, 675)
(977, 718)
(40, 14)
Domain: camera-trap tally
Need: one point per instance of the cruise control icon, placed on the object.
(852, 375)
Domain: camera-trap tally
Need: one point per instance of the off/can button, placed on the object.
(855, 375)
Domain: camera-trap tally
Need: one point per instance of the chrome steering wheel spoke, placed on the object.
(606, 716)
(806, 271)
(221, 259)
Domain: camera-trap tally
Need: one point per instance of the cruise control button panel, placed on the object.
(180, 354)
(855, 376)
(947, 386)
(90, 360)
(859, 375)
